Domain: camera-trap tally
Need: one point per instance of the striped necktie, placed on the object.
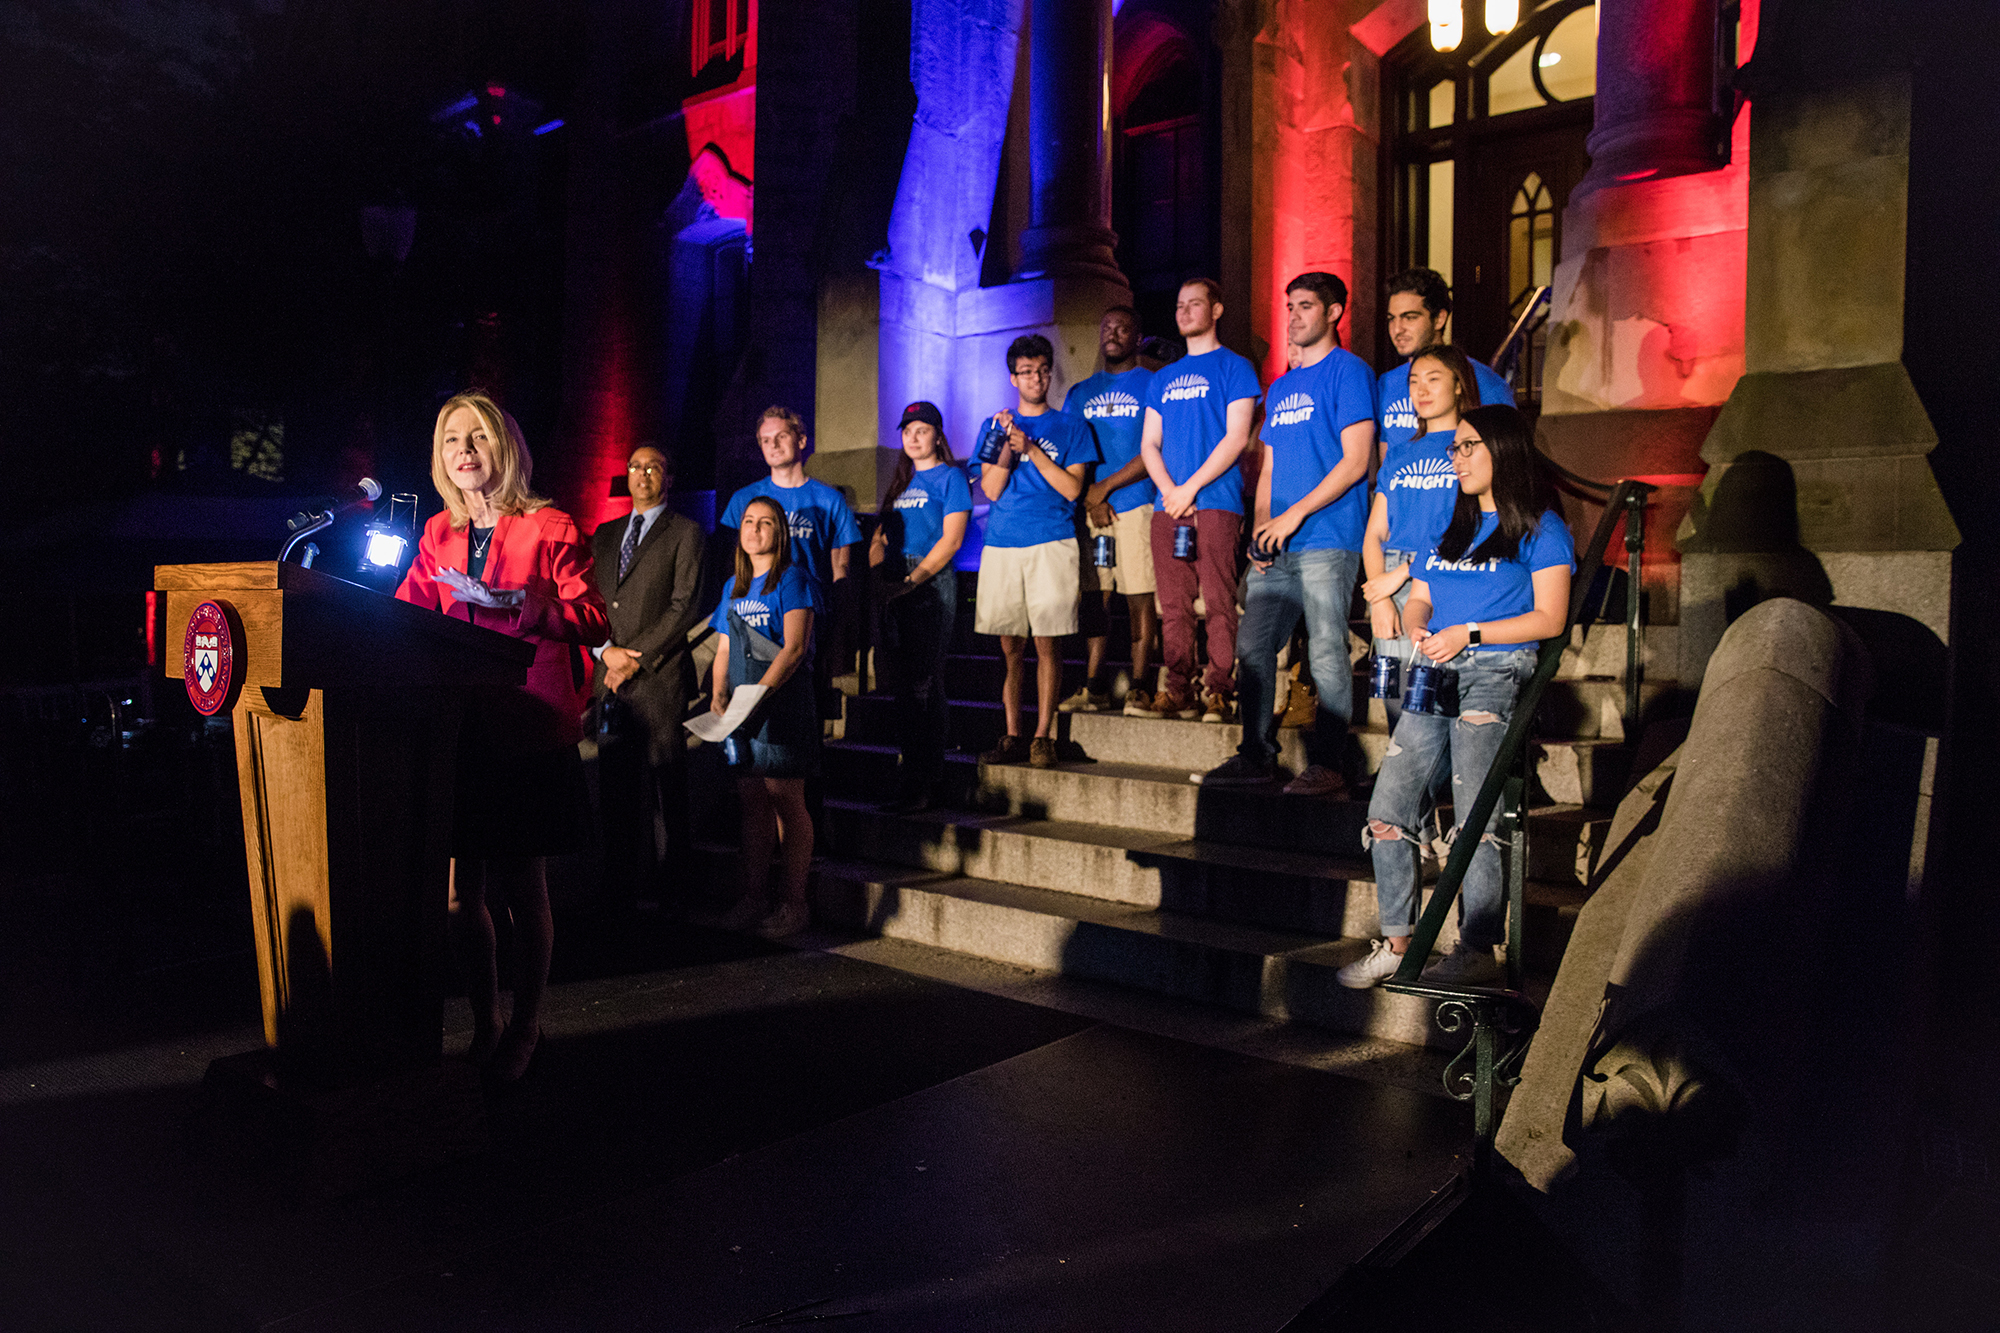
(630, 547)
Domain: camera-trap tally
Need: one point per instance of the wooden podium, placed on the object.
(346, 714)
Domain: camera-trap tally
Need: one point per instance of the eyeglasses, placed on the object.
(1032, 373)
(1463, 448)
(647, 469)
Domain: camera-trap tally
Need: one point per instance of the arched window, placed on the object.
(721, 30)
(1531, 241)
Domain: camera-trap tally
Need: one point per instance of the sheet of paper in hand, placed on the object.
(712, 728)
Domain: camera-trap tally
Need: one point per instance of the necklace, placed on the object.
(479, 544)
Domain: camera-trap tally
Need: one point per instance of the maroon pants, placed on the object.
(1214, 570)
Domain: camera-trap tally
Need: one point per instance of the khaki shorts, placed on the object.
(1133, 574)
(1028, 591)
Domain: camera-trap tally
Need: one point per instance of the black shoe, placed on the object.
(1236, 771)
(1010, 750)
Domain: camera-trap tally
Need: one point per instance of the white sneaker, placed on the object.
(789, 919)
(1085, 701)
(1466, 966)
(1380, 964)
(1317, 780)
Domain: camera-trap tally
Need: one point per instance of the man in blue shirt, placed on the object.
(1028, 571)
(1419, 313)
(1311, 510)
(822, 525)
(1198, 414)
(1119, 505)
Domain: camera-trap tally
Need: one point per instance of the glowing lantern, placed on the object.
(1502, 15)
(1447, 24)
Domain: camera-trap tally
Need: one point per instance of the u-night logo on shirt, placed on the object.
(1399, 416)
(1112, 403)
(1426, 474)
(754, 613)
(1432, 561)
(1184, 387)
(1295, 409)
(912, 499)
(801, 525)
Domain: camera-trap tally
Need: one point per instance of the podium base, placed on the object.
(345, 1140)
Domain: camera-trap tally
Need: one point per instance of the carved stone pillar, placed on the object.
(1069, 127)
(1655, 108)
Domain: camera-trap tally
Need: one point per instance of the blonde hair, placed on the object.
(513, 465)
(779, 412)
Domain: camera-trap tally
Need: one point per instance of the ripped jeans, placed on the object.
(1475, 703)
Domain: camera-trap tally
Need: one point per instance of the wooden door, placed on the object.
(1512, 187)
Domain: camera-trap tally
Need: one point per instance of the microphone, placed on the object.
(366, 491)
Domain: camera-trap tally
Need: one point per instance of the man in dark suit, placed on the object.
(648, 566)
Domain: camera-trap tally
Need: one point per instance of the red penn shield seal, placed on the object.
(208, 651)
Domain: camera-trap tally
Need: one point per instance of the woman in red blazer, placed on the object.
(502, 557)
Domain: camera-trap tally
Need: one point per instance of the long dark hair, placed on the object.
(906, 468)
(1522, 488)
(781, 559)
(1461, 370)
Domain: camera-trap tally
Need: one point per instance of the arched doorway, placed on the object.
(1486, 143)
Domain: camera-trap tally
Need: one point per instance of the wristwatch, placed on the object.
(1473, 625)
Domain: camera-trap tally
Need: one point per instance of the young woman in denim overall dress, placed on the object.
(1481, 599)
(924, 517)
(765, 621)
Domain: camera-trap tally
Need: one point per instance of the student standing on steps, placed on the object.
(822, 528)
(1118, 504)
(764, 628)
(1494, 585)
(1419, 305)
(1028, 573)
(1414, 494)
(1197, 423)
(924, 516)
(1311, 507)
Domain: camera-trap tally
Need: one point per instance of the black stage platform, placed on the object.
(711, 1144)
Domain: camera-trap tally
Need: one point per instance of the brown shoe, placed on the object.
(1042, 752)
(1010, 750)
(1164, 704)
(1138, 702)
(1217, 708)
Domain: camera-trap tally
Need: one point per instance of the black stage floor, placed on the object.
(707, 1145)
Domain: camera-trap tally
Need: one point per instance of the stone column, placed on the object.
(1069, 127)
(1646, 327)
(1655, 108)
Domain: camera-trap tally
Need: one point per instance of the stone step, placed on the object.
(1278, 974)
(1601, 652)
(1583, 772)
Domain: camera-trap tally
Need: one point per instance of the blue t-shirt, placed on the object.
(1304, 414)
(1398, 421)
(1115, 407)
(1422, 489)
(1192, 397)
(1468, 590)
(1030, 511)
(916, 520)
(763, 609)
(819, 519)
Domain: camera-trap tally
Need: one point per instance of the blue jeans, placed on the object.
(916, 635)
(1320, 586)
(1476, 682)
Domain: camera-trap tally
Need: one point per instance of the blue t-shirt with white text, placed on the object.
(1398, 420)
(763, 608)
(1305, 412)
(818, 517)
(1421, 487)
(1468, 590)
(1192, 397)
(1115, 407)
(1030, 511)
(915, 521)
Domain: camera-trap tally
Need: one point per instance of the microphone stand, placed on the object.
(314, 523)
